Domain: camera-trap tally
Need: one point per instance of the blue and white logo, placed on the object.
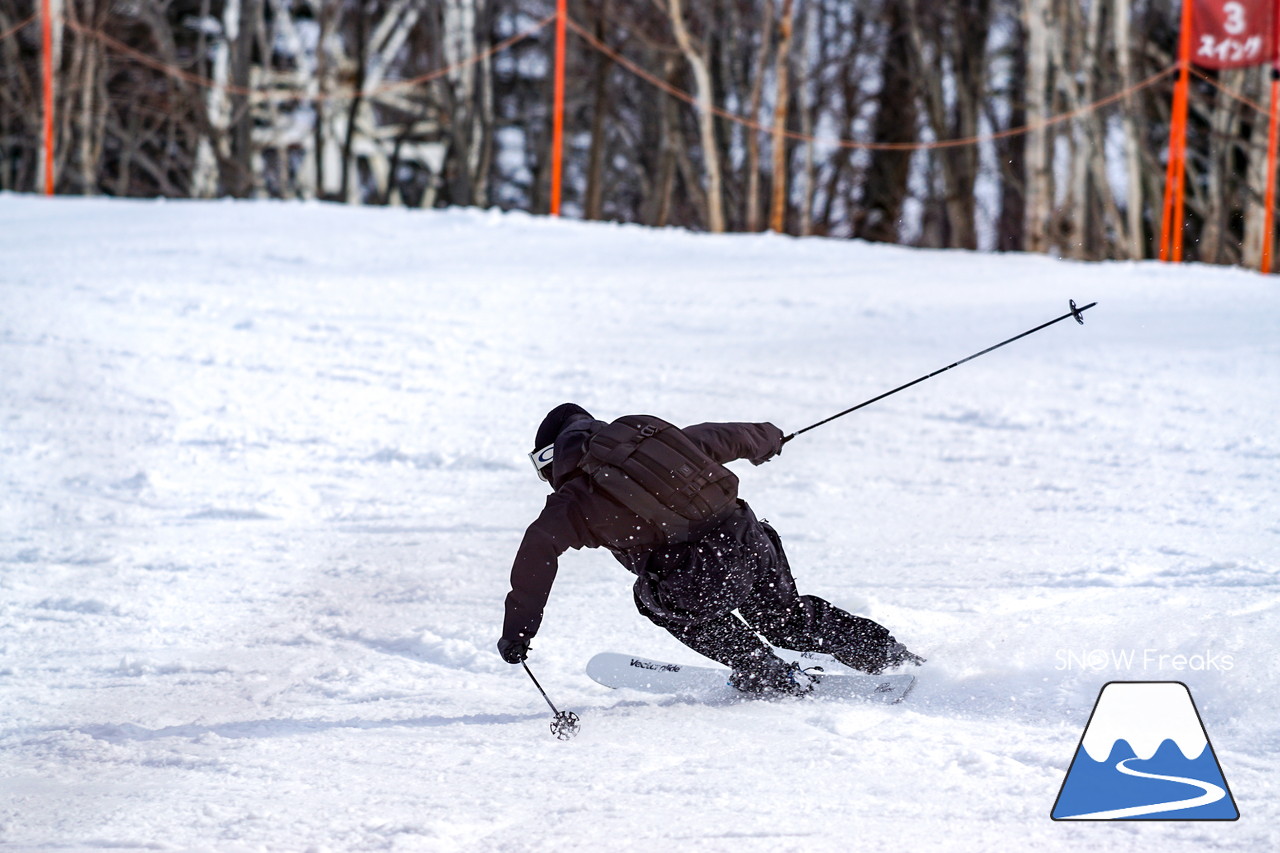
(1145, 755)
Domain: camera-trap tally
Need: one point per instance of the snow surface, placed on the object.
(1145, 716)
(263, 475)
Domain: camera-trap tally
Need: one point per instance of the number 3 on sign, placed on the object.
(1234, 12)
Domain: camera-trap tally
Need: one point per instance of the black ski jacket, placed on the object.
(577, 516)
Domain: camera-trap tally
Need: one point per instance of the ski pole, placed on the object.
(565, 724)
(1077, 313)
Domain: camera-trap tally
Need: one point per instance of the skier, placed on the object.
(696, 564)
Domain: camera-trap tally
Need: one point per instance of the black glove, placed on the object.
(775, 438)
(513, 651)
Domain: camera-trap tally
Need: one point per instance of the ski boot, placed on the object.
(875, 661)
(772, 678)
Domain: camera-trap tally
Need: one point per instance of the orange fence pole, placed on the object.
(1166, 221)
(1175, 175)
(557, 119)
(1270, 195)
(47, 48)
(1176, 223)
(1180, 181)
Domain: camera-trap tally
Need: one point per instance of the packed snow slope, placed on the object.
(262, 474)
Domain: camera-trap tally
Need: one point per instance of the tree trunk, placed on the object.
(659, 205)
(129, 146)
(695, 55)
(754, 212)
(204, 174)
(328, 168)
(1221, 123)
(782, 67)
(349, 192)
(1135, 227)
(1039, 195)
(13, 122)
(1077, 85)
(958, 34)
(467, 91)
(970, 55)
(594, 208)
(896, 118)
(1257, 178)
(1090, 210)
(1012, 155)
(239, 176)
(808, 109)
(86, 74)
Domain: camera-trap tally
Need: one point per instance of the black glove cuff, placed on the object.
(513, 651)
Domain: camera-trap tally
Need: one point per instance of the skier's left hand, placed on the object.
(513, 651)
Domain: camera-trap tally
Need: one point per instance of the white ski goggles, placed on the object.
(541, 460)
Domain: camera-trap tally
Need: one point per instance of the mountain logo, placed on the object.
(1145, 755)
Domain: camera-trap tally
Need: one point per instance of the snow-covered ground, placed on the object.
(262, 473)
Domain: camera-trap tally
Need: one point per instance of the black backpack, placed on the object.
(656, 471)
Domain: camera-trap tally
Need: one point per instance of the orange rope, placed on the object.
(277, 94)
(850, 143)
(4, 35)
(1224, 90)
(640, 72)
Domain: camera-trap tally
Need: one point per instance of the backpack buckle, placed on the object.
(648, 430)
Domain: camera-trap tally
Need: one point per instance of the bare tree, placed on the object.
(695, 53)
(778, 207)
(1039, 179)
(895, 123)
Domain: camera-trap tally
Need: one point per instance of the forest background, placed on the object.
(1006, 125)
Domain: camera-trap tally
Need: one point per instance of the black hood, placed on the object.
(571, 446)
(554, 422)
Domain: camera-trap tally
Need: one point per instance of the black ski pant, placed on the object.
(691, 588)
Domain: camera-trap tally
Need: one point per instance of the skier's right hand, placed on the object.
(513, 651)
(774, 437)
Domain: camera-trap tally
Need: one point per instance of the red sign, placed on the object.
(1232, 33)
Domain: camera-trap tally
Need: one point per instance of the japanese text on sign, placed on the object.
(1232, 33)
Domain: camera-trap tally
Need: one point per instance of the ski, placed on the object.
(651, 676)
